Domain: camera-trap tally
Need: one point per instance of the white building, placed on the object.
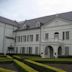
(49, 36)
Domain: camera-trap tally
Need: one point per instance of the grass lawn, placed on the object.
(37, 58)
(61, 63)
(35, 63)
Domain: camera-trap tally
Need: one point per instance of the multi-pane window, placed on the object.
(16, 49)
(36, 50)
(24, 38)
(46, 36)
(56, 35)
(27, 37)
(15, 39)
(18, 38)
(63, 35)
(31, 37)
(29, 50)
(23, 50)
(21, 38)
(66, 50)
(37, 37)
(66, 35)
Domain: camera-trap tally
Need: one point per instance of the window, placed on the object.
(66, 51)
(18, 38)
(56, 35)
(37, 37)
(29, 50)
(46, 36)
(16, 50)
(24, 38)
(23, 50)
(36, 50)
(66, 35)
(21, 38)
(31, 37)
(63, 35)
(15, 38)
(27, 37)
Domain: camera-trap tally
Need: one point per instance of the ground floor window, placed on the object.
(66, 51)
(29, 50)
(16, 49)
(22, 50)
(10, 49)
(36, 50)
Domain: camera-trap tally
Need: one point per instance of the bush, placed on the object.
(24, 67)
(69, 56)
(6, 70)
(42, 67)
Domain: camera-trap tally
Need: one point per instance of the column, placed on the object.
(55, 48)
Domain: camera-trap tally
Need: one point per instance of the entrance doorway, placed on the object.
(49, 51)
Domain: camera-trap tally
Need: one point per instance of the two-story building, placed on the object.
(49, 36)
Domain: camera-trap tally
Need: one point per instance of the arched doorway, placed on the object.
(49, 51)
(60, 51)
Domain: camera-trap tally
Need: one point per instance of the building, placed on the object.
(49, 36)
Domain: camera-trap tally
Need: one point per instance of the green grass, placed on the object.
(6, 70)
(4, 58)
(25, 67)
(46, 66)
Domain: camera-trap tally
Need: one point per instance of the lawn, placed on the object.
(22, 63)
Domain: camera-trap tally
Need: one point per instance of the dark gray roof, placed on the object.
(8, 21)
(36, 23)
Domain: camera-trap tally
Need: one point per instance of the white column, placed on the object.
(55, 48)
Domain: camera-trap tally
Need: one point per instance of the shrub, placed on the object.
(6, 70)
(24, 67)
(46, 67)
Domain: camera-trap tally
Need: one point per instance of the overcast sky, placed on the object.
(28, 9)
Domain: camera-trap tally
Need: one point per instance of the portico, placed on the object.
(51, 50)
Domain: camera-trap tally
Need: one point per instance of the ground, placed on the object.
(26, 63)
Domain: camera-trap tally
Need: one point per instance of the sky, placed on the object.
(21, 10)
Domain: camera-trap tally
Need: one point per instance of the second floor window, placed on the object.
(31, 37)
(66, 35)
(37, 37)
(46, 36)
(56, 35)
(24, 38)
(27, 37)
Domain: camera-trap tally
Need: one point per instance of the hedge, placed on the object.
(53, 69)
(24, 67)
(6, 70)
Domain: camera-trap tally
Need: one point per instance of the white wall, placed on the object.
(6, 30)
(57, 25)
(29, 44)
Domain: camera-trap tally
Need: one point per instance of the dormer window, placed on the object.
(27, 26)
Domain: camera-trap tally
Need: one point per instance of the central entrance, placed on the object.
(49, 51)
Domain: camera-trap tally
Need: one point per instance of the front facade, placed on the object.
(49, 37)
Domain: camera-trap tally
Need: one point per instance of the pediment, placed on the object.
(57, 22)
